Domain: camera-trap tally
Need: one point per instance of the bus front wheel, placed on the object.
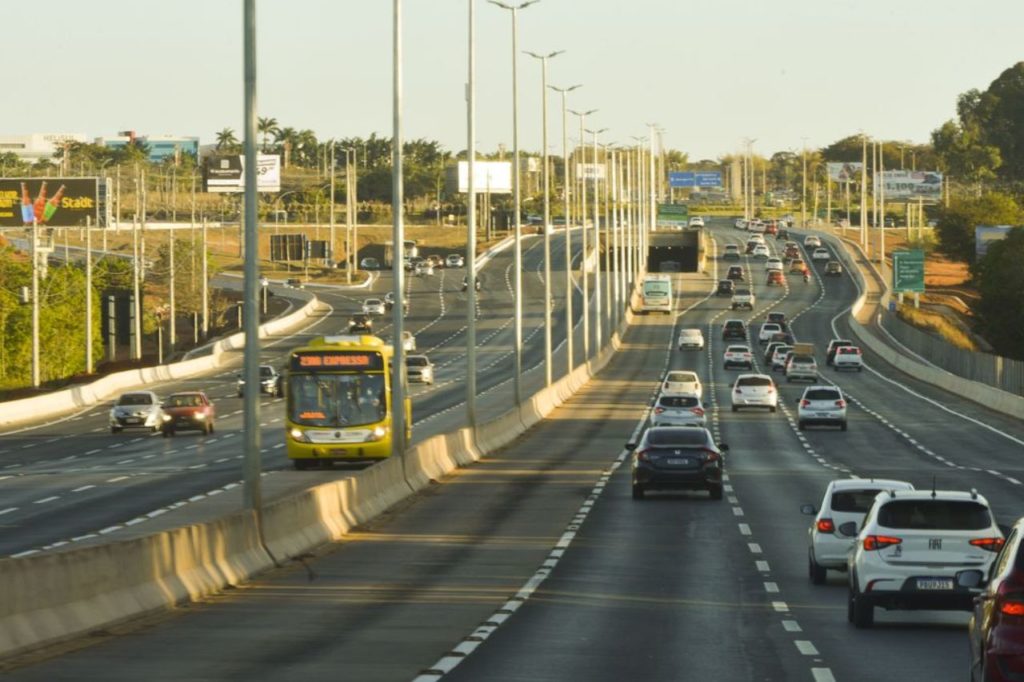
(302, 464)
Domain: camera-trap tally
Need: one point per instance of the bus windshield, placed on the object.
(656, 288)
(336, 400)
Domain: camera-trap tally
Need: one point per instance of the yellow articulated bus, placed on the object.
(338, 405)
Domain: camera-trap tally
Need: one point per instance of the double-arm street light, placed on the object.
(547, 210)
(517, 370)
(568, 231)
(583, 232)
(597, 243)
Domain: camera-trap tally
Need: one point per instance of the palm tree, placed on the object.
(226, 139)
(266, 127)
(286, 138)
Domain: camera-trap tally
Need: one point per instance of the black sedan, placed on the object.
(725, 287)
(677, 458)
(360, 323)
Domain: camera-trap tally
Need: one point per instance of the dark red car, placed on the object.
(775, 277)
(996, 629)
(190, 410)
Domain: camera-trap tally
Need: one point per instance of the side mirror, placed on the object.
(970, 579)
(849, 529)
(724, 447)
(631, 446)
(808, 509)
(797, 401)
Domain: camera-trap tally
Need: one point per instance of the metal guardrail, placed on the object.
(994, 370)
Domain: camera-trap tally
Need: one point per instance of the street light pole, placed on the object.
(470, 224)
(330, 254)
(597, 244)
(517, 350)
(803, 190)
(547, 210)
(568, 232)
(397, 378)
(583, 233)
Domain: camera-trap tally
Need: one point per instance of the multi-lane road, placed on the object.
(71, 480)
(536, 564)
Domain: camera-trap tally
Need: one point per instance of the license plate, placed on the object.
(935, 583)
(339, 451)
(679, 462)
(823, 414)
(132, 420)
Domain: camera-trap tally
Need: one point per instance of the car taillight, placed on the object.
(1011, 607)
(805, 403)
(659, 410)
(642, 456)
(840, 403)
(699, 411)
(826, 526)
(711, 456)
(876, 542)
(988, 544)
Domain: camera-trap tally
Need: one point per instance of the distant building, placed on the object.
(35, 146)
(160, 146)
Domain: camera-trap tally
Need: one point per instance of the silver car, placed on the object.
(136, 410)
(418, 368)
(678, 410)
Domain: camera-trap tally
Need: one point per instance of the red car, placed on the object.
(189, 410)
(771, 227)
(996, 629)
(776, 277)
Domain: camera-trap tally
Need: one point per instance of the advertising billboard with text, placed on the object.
(844, 171)
(904, 184)
(489, 177)
(224, 173)
(50, 202)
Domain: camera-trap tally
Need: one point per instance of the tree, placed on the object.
(962, 152)
(1000, 280)
(267, 127)
(226, 140)
(998, 113)
(955, 228)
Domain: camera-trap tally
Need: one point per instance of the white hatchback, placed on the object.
(848, 357)
(373, 306)
(691, 338)
(912, 548)
(682, 383)
(773, 263)
(678, 410)
(754, 390)
(696, 221)
(821, 253)
(812, 240)
(738, 355)
(767, 330)
(822, 406)
(845, 500)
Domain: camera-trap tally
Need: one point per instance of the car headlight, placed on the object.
(378, 433)
(299, 435)
(166, 417)
(199, 415)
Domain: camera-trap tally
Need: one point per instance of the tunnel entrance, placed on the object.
(674, 251)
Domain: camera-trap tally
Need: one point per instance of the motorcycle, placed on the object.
(807, 278)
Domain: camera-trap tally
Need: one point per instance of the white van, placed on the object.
(657, 293)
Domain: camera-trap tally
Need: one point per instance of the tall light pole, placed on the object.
(398, 418)
(803, 190)
(471, 223)
(252, 493)
(863, 192)
(654, 180)
(334, 169)
(597, 243)
(517, 351)
(583, 237)
(547, 210)
(568, 232)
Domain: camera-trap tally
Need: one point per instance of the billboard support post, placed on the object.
(137, 300)
(35, 304)
(88, 296)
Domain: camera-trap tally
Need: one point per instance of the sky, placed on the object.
(786, 73)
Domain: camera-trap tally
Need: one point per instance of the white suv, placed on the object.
(848, 357)
(743, 298)
(822, 405)
(913, 547)
(846, 499)
(767, 329)
(754, 390)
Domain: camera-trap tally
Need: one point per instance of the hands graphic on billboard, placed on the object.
(42, 209)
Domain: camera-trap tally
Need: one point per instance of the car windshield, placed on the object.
(669, 437)
(782, 350)
(822, 394)
(266, 372)
(737, 349)
(336, 399)
(135, 399)
(859, 500)
(184, 401)
(678, 401)
(935, 515)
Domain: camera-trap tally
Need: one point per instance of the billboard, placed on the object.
(844, 171)
(494, 177)
(589, 171)
(904, 184)
(287, 247)
(224, 173)
(695, 179)
(986, 234)
(51, 202)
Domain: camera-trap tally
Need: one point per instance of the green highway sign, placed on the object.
(908, 270)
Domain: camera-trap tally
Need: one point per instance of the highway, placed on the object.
(71, 479)
(536, 564)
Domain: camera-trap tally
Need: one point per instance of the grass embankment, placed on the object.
(938, 324)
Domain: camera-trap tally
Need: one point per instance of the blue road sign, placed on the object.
(709, 178)
(682, 179)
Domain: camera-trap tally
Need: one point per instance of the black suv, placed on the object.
(735, 272)
(725, 287)
(779, 319)
(360, 323)
(734, 330)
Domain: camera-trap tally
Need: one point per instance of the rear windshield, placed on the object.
(682, 376)
(266, 371)
(734, 324)
(135, 399)
(737, 349)
(416, 361)
(754, 381)
(821, 394)
(934, 514)
(743, 292)
(656, 287)
(782, 350)
(803, 359)
(678, 401)
(854, 500)
(682, 437)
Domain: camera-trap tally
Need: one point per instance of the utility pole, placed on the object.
(803, 190)
(136, 291)
(583, 232)
(172, 329)
(330, 254)
(863, 193)
(35, 304)
(597, 243)
(398, 378)
(206, 286)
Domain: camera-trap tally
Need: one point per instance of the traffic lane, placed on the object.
(385, 603)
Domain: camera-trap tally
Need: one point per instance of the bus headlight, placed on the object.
(299, 435)
(377, 433)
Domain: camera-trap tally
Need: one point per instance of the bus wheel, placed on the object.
(301, 464)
